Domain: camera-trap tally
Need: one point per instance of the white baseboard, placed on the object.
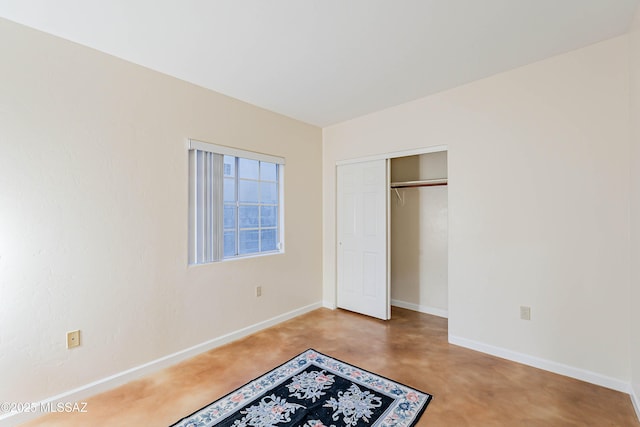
(547, 365)
(91, 389)
(635, 399)
(421, 308)
(329, 305)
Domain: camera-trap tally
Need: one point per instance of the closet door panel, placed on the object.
(362, 238)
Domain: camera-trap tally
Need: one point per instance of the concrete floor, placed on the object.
(469, 388)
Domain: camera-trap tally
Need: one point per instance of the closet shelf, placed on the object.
(420, 183)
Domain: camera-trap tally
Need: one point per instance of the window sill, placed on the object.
(239, 257)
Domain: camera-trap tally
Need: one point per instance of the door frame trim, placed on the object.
(394, 154)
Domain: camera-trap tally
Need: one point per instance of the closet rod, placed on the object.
(421, 183)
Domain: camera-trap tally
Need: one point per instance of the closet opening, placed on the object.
(418, 222)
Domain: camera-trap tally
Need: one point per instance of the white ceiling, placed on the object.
(326, 61)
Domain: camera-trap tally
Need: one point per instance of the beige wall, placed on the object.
(93, 216)
(419, 235)
(538, 205)
(634, 46)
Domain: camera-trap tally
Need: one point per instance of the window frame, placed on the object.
(239, 205)
(207, 204)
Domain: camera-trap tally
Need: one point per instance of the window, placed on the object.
(235, 206)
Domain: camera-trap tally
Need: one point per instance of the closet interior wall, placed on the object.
(419, 235)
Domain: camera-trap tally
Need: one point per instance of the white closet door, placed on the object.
(362, 238)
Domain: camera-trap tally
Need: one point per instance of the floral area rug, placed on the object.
(314, 390)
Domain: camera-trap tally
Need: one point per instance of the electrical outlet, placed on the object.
(525, 312)
(258, 291)
(73, 339)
